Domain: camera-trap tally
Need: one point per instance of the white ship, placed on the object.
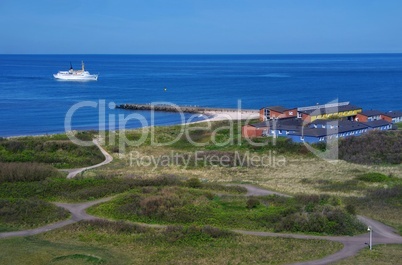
(75, 74)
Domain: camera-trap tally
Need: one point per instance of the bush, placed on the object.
(29, 213)
(194, 183)
(219, 187)
(215, 232)
(176, 233)
(252, 202)
(351, 209)
(375, 147)
(326, 219)
(373, 177)
(54, 150)
(15, 172)
(115, 227)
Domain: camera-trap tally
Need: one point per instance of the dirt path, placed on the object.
(108, 158)
(77, 211)
(256, 191)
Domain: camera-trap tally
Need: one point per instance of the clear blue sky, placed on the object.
(200, 26)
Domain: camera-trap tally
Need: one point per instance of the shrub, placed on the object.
(176, 233)
(60, 153)
(252, 202)
(220, 187)
(160, 205)
(386, 193)
(326, 219)
(215, 232)
(15, 172)
(373, 177)
(29, 213)
(114, 227)
(194, 183)
(375, 147)
(351, 209)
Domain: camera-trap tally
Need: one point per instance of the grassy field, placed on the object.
(18, 214)
(55, 150)
(181, 184)
(380, 255)
(301, 173)
(90, 188)
(188, 206)
(119, 243)
(288, 168)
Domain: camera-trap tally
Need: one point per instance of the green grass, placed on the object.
(177, 205)
(170, 200)
(18, 214)
(105, 243)
(62, 189)
(373, 177)
(26, 172)
(383, 204)
(219, 136)
(90, 188)
(380, 255)
(382, 198)
(35, 251)
(55, 150)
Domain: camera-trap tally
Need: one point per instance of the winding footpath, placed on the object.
(382, 234)
(108, 158)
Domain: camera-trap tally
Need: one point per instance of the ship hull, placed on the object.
(72, 77)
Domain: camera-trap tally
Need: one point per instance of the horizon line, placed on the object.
(323, 53)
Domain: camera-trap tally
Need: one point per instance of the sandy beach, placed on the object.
(233, 115)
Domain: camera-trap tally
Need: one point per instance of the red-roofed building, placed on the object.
(277, 112)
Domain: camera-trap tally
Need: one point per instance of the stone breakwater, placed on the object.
(186, 109)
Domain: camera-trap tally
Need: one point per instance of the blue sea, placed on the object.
(33, 102)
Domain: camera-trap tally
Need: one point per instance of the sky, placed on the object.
(200, 26)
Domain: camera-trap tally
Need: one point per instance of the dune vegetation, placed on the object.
(178, 177)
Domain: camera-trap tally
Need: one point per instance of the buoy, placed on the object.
(165, 89)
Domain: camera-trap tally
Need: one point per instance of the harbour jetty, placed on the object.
(186, 109)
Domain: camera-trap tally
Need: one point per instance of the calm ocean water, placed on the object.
(33, 102)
